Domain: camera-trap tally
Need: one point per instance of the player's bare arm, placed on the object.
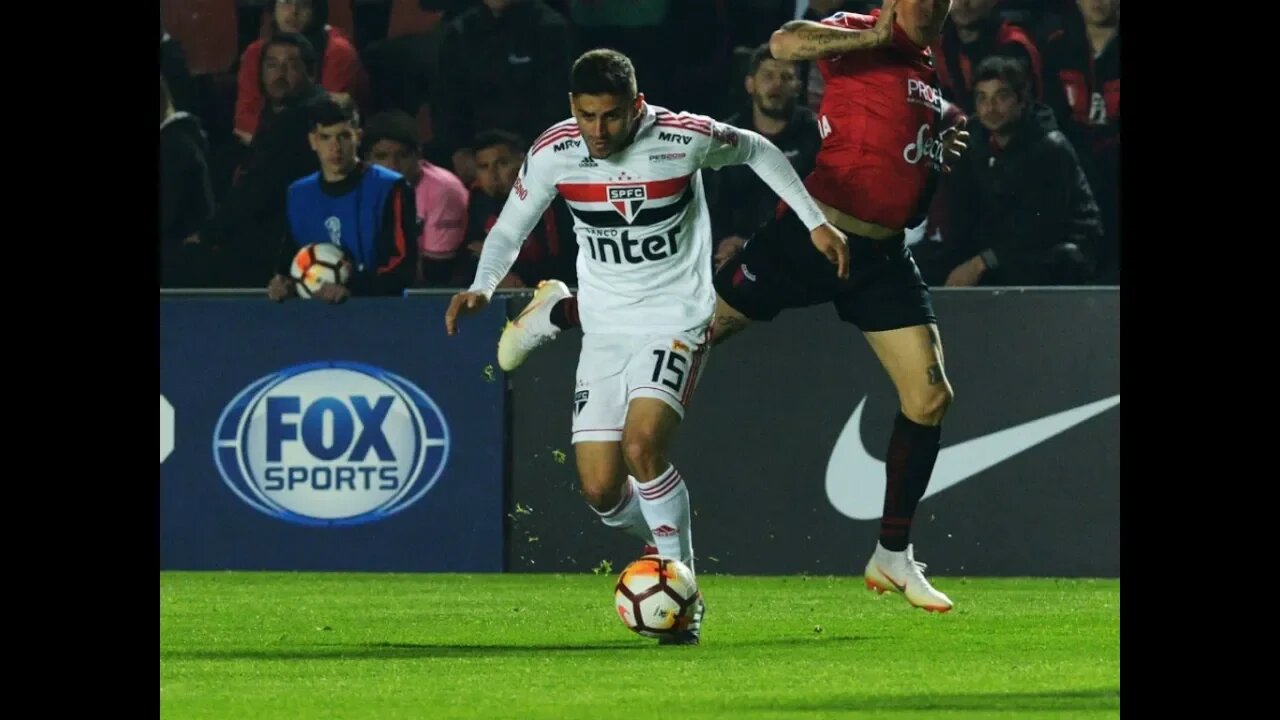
(808, 40)
(738, 145)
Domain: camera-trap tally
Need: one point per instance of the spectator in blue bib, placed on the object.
(366, 209)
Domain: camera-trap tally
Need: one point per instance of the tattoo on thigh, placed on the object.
(726, 325)
(935, 373)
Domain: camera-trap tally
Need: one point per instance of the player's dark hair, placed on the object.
(603, 72)
(1011, 71)
(329, 110)
(492, 138)
(305, 48)
(395, 125)
(758, 56)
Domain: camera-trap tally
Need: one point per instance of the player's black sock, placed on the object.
(564, 314)
(913, 449)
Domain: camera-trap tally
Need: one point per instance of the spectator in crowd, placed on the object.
(338, 70)
(754, 26)
(681, 47)
(366, 209)
(448, 9)
(1082, 85)
(1021, 211)
(503, 64)
(186, 197)
(550, 251)
(391, 140)
(176, 73)
(741, 202)
(250, 220)
(973, 32)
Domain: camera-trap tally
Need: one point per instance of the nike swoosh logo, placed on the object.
(527, 309)
(518, 60)
(902, 587)
(855, 479)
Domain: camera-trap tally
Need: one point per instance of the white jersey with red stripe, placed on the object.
(640, 217)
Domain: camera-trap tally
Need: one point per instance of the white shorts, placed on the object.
(615, 369)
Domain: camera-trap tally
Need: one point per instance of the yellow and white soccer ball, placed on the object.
(655, 595)
(319, 264)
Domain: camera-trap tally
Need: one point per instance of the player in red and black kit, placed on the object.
(883, 147)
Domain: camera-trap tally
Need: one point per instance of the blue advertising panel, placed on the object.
(305, 436)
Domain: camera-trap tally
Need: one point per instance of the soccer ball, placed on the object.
(655, 596)
(319, 264)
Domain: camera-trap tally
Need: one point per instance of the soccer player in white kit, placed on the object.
(629, 172)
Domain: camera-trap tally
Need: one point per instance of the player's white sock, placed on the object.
(626, 515)
(665, 502)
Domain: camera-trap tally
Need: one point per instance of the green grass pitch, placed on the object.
(383, 646)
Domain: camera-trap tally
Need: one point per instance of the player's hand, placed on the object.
(832, 244)
(883, 30)
(727, 248)
(332, 293)
(968, 273)
(280, 288)
(955, 140)
(464, 303)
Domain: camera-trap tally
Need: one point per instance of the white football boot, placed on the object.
(532, 328)
(889, 571)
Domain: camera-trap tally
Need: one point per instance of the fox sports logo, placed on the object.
(331, 443)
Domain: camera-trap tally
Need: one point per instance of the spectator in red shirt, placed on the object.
(974, 32)
(340, 68)
(1082, 85)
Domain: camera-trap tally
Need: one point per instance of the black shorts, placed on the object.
(780, 268)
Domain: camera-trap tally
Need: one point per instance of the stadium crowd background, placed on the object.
(450, 93)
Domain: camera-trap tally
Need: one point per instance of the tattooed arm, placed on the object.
(808, 40)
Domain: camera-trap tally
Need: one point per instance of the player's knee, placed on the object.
(928, 406)
(641, 450)
(602, 496)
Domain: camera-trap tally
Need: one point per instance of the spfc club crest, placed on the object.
(627, 200)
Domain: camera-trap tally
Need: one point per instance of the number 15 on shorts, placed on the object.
(669, 368)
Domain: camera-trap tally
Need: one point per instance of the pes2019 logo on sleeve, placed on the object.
(331, 443)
